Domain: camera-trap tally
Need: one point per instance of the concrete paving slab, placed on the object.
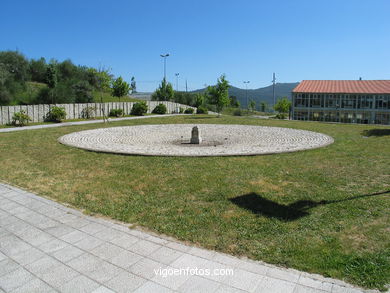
(15, 279)
(78, 253)
(35, 286)
(125, 282)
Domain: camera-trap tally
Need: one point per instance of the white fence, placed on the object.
(37, 113)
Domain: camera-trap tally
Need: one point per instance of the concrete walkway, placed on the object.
(47, 247)
(42, 126)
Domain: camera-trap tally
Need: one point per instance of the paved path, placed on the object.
(47, 247)
(41, 126)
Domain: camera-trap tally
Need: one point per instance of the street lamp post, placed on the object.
(165, 64)
(273, 88)
(177, 81)
(246, 92)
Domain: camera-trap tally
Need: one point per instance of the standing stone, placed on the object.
(195, 136)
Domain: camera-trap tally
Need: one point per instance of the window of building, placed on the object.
(315, 102)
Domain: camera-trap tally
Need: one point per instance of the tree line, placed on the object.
(215, 98)
(36, 81)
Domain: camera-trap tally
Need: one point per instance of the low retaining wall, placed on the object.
(74, 111)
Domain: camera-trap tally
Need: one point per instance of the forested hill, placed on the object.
(261, 94)
(36, 81)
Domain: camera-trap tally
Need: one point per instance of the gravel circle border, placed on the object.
(162, 140)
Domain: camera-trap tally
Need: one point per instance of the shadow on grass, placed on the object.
(268, 208)
(376, 132)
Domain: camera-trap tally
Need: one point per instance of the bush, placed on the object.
(237, 112)
(20, 118)
(189, 111)
(116, 113)
(160, 109)
(139, 109)
(202, 110)
(88, 112)
(56, 114)
(181, 110)
(281, 116)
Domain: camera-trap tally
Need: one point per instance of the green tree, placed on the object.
(283, 107)
(52, 80)
(51, 76)
(66, 70)
(164, 92)
(103, 78)
(5, 96)
(13, 75)
(234, 102)
(263, 106)
(133, 85)
(120, 87)
(184, 98)
(4, 74)
(38, 70)
(200, 100)
(16, 64)
(252, 105)
(82, 92)
(218, 95)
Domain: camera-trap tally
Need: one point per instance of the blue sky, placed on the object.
(246, 40)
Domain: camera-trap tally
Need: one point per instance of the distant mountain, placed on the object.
(263, 94)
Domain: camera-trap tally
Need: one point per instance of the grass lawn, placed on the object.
(245, 112)
(324, 211)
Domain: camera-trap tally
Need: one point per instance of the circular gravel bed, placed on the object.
(217, 140)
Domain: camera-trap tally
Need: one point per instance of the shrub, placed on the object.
(281, 116)
(88, 112)
(116, 113)
(20, 118)
(202, 110)
(181, 110)
(189, 111)
(237, 112)
(160, 109)
(56, 114)
(139, 109)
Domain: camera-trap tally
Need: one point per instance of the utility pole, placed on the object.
(246, 93)
(273, 89)
(177, 81)
(186, 86)
(165, 64)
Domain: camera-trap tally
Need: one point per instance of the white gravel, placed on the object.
(218, 140)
